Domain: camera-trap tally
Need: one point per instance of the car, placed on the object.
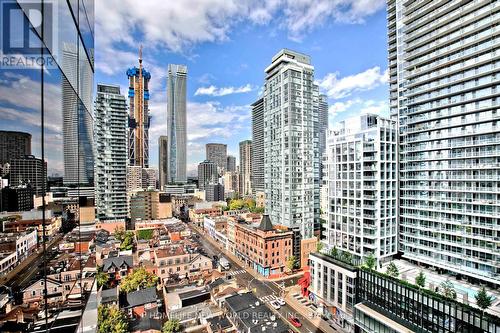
(275, 304)
(295, 321)
(281, 301)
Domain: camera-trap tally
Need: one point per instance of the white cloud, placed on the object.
(336, 87)
(359, 106)
(179, 25)
(223, 91)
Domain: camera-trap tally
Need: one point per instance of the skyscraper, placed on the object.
(29, 170)
(111, 153)
(162, 160)
(139, 118)
(207, 174)
(322, 129)
(290, 151)
(217, 153)
(78, 136)
(245, 167)
(176, 123)
(231, 163)
(362, 187)
(258, 145)
(443, 91)
(14, 145)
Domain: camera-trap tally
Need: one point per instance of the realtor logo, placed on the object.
(20, 41)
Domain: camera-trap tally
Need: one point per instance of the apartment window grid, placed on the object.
(362, 188)
(449, 176)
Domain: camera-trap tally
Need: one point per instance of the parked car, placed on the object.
(281, 301)
(295, 321)
(275, 304)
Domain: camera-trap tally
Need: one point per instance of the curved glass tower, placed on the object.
(176, 123)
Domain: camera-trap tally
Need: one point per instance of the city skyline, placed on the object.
(225, 77)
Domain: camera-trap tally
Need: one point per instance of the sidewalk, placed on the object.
(305, 309)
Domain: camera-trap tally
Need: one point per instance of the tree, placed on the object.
(236, 204)
(334, 252)
(370, 261)
(172, 326)
(319, 246)
(346, 257)
(392, 270)
(420, 279)
(140, 278)
(290, 263)
(448, 289)
(110, 319)
(483, 300)
(101, 277)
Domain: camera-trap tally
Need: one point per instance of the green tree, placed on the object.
(420, 279)
(346, 257)
(236, 204)
(290, 263)
(334, 252)
(392, 270)
(140, 278)
(172, 326)
(370, 261)
(447, 289)
(110, 319)
(319, 246)
(483, 300)
(101, 277)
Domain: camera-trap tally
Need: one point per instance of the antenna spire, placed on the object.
(140, 54)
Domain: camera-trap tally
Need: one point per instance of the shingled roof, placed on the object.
(266, 224)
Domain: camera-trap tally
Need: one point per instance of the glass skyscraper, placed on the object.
(291, 157)
(51, 100)
(443, 64)
(176, 123)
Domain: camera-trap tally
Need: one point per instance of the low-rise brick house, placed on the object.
(177, 263)
(118, 267)
(265, 248)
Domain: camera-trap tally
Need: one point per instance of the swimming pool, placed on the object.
(460, 288)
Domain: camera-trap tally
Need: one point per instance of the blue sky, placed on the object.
(227, 45)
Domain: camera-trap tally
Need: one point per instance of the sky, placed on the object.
(226, 45)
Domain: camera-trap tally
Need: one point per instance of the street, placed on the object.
(264, 290)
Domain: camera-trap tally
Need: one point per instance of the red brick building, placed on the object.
(264, 248)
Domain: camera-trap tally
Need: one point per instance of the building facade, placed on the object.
(214, 192)
(207, 174)
(29, 170)
(322, 130)
(264, 248)
(290, 150)
(78, 124)
(443, 92)
(111, 153)
(245, 167)
(362, 187)
(231, 163)
(217, 153)
(257, 176)
(14, 145)
(176, 123)
(162, 161)
(139, 118)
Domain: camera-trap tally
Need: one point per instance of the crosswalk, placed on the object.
(302, 300)
(268, 298)
(233, 273)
